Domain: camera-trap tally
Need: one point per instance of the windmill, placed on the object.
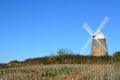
(99, 47)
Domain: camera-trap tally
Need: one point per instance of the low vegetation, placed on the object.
(65, 56)
(66, 65)
(63, 72)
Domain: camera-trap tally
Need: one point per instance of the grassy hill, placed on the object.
(63, 66)
(67, 57)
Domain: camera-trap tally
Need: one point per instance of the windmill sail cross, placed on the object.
(99, 46)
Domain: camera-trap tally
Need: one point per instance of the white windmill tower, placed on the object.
(99, 47)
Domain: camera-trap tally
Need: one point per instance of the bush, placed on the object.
(13, 63)
(116, 54)
(61, 52)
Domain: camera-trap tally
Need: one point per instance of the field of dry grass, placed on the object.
(62, 72)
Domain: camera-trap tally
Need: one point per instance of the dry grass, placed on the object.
(63, 72)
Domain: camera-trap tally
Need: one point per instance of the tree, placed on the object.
(62, 51)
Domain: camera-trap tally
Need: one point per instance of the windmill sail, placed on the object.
(99, 46)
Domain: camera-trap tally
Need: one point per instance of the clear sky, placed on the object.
(35, 28)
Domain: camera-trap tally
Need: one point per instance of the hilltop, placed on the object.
(67, 57)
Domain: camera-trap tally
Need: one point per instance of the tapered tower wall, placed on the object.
(96, 49)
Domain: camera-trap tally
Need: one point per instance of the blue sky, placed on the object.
(35, 28)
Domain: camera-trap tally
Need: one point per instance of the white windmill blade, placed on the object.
(102, 24)
(102, 47)
(86, 26)
(86, 45)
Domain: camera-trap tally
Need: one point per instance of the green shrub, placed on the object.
(27, 70)
(53, 72)
(1, 72)
(116, 54)
(106, 77)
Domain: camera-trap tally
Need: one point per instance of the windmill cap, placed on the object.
(99, 35)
